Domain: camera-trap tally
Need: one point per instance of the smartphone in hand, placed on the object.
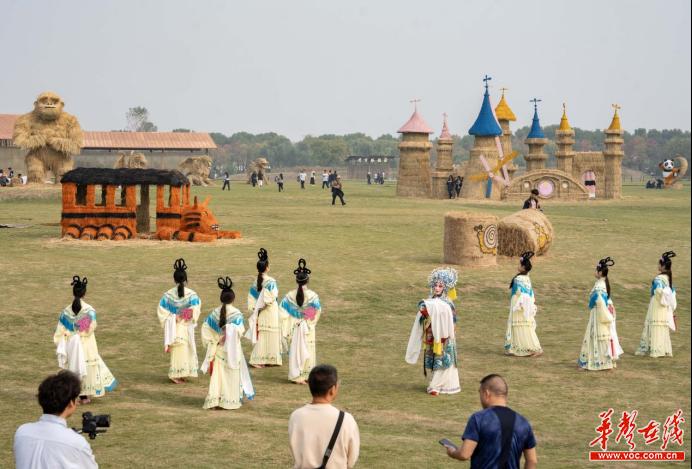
(448, 444)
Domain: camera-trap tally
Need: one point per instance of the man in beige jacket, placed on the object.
(320, 435)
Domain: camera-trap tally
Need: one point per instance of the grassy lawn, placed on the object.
(370, 261)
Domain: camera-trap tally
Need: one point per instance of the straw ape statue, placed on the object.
(51, 135)
(197, 169)
(131, 161)
(260, 165)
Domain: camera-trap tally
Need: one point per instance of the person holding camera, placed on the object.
(50, 442)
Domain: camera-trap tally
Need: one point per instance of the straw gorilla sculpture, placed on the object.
(51, 135)
(197, 169)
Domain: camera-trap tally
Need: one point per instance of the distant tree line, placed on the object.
(644, 149)
(238, 150)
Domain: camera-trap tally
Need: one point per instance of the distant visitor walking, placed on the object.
(279, 180)
(337, 191)
(226, 181)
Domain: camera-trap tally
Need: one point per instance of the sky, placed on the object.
(312, 67)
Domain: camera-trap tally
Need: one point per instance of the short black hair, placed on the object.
(57, 391)
(321, 379)
(534, 191)
(495, 384)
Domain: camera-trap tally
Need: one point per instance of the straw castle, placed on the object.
(489, 172)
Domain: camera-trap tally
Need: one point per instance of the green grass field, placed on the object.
(370, 261)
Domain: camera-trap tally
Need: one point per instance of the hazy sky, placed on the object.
(315, 67)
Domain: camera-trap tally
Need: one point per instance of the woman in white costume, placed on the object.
(520, 338)
(302, 309)
(660, 317)
(77, 350)
(178, 312)
(264, 325)
(600, 347)
(221, 332)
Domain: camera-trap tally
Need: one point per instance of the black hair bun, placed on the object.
(607, 262)
(225, 284)
(263, 255)
(668, 255)
(77, 282)
(527, 255)
(179, 265)
(302, 272)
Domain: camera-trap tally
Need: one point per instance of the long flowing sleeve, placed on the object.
(270, 292)
(415, 340)
(603, 316)
(164, 310)
(210, 339)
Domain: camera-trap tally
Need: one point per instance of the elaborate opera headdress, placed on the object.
(447, 277)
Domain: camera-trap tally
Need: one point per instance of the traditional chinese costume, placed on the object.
(264, 325)
(178, 317)
(598, 348)
(434, 328)
(77, 350)
(660, 320)
(300, 332)
(521, 339)
(224, 361)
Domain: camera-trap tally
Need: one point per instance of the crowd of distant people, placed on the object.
(654, 183)
(377, 179)
(10, 179)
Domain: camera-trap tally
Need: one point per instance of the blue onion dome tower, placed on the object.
(536, 141)
(485, 130)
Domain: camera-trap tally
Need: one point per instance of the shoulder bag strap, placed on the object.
(332, 441)
(507, 420)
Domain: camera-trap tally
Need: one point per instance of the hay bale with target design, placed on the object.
(526, 230)
(470, 239)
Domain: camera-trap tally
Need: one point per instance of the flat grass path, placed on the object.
(370, 261)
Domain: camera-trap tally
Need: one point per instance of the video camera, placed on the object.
(92, 424)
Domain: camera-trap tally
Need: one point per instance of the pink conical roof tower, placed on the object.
(416, 124)
(445, 135)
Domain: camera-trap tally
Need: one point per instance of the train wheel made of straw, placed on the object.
(121, 233)
(105, 232)
(73, 231)
(89, 232)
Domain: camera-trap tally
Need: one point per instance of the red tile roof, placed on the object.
(128, 140)
(7, 125)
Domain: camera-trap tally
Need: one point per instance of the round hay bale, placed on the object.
(470, 239)
(525, 230)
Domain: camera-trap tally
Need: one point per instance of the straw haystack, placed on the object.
(470, 239)
(526, 230)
